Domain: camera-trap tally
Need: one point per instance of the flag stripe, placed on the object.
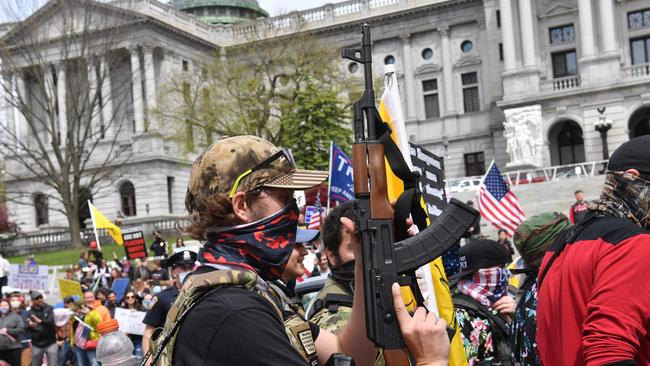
(500, 212)
(497, 220)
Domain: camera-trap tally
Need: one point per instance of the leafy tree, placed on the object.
(253, 89)
(314, 118)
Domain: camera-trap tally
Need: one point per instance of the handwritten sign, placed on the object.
(130, 321)
(69, 288)
(28, 277)
(134, 245)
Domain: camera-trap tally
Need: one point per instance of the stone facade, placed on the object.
(460, 64)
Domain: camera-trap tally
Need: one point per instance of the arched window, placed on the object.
(567, 144)
(127, 197)
(41, 209)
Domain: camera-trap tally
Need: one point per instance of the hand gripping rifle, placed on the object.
(388, 255)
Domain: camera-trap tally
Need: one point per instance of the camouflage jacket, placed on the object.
(333, 308)
(198, 286)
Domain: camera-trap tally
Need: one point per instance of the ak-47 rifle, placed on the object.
(385, 259)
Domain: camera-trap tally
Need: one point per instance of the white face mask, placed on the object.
(182, 275)
(4, 309)
(15, 304)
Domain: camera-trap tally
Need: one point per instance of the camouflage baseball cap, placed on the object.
(535, 235)
(232, 161)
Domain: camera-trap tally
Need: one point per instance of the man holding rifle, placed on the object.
(240, 199)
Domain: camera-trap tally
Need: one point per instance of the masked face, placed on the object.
(264, 245)
(15, 304)
(4, 308)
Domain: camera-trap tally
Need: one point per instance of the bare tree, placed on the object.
(247, 88)
(65, 114)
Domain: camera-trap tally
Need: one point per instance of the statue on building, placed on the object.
(523, 133)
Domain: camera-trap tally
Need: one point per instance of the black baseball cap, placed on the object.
(185, 258)
(479, 254)
(633, 154)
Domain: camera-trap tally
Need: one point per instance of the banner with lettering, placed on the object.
(432, 181)
(341, 186)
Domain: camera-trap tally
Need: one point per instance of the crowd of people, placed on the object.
(235, 302)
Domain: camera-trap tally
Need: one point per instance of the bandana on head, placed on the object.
(625, 198)
(263, 246)
(486, 285)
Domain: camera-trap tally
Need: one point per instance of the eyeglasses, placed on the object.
(283, 153)
(130, 297)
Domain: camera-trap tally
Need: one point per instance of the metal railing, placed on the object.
(544, 174)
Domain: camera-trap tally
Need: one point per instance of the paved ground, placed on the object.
(545, 196)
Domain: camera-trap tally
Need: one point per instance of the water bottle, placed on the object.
(114, 348)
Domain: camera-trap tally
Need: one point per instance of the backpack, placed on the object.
(500, 330)
(198, 287)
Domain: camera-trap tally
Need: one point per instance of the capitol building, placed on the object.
(524, 82)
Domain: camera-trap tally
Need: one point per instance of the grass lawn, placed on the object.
(71, 256)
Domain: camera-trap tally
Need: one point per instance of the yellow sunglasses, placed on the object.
(266, 163)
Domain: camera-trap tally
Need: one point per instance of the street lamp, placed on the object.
(602, 126)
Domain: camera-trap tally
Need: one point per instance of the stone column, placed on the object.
(136, 80)
(586, 28)
(608, 30)
(7, 104)
(527, 23)
(51, 101)
(93, 99)
(508, 35)
(22, 128)
(149, 80)
(61, 90)
(409, 83)
(108, 115)
(447, 72)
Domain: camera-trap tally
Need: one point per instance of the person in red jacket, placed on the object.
(579, 209)
(593, 299)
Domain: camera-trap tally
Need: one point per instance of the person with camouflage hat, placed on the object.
(532, 239)
(593, 291)
(240, 203)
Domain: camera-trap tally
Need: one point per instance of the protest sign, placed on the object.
(119, 287)
(341, 186)
(28, 277)
(310, 210)
(130, 321)
(134, 245)
(69, 288)
(432, 180)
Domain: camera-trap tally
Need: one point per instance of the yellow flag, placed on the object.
(436, 290)
(102, 222)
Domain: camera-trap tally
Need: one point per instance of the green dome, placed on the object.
(222, 11)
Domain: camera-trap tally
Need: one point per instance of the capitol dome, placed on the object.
(222, 11)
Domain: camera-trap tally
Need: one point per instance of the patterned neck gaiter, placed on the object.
(486, 285)
(263, 246)
(625, 198)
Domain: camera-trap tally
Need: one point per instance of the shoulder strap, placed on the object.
(332, 302)
(563, 240)
(466, 302)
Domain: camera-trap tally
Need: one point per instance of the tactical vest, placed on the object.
(329, 299)
(198, 286)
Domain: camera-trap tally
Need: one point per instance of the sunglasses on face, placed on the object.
(282, 154)
(130, 297)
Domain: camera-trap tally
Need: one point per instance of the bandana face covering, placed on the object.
(625, 198)
(486, 285)
(263, 246)
(344, 275)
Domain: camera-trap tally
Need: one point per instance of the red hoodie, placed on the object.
(594, 301)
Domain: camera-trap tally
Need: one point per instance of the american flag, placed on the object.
(498, 204)
(314, 220)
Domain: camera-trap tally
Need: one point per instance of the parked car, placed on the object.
(470, 184)
(308, 289)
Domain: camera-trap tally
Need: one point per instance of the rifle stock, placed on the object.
(384, 260)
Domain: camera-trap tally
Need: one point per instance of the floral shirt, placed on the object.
(523, 342)
(476, 335)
